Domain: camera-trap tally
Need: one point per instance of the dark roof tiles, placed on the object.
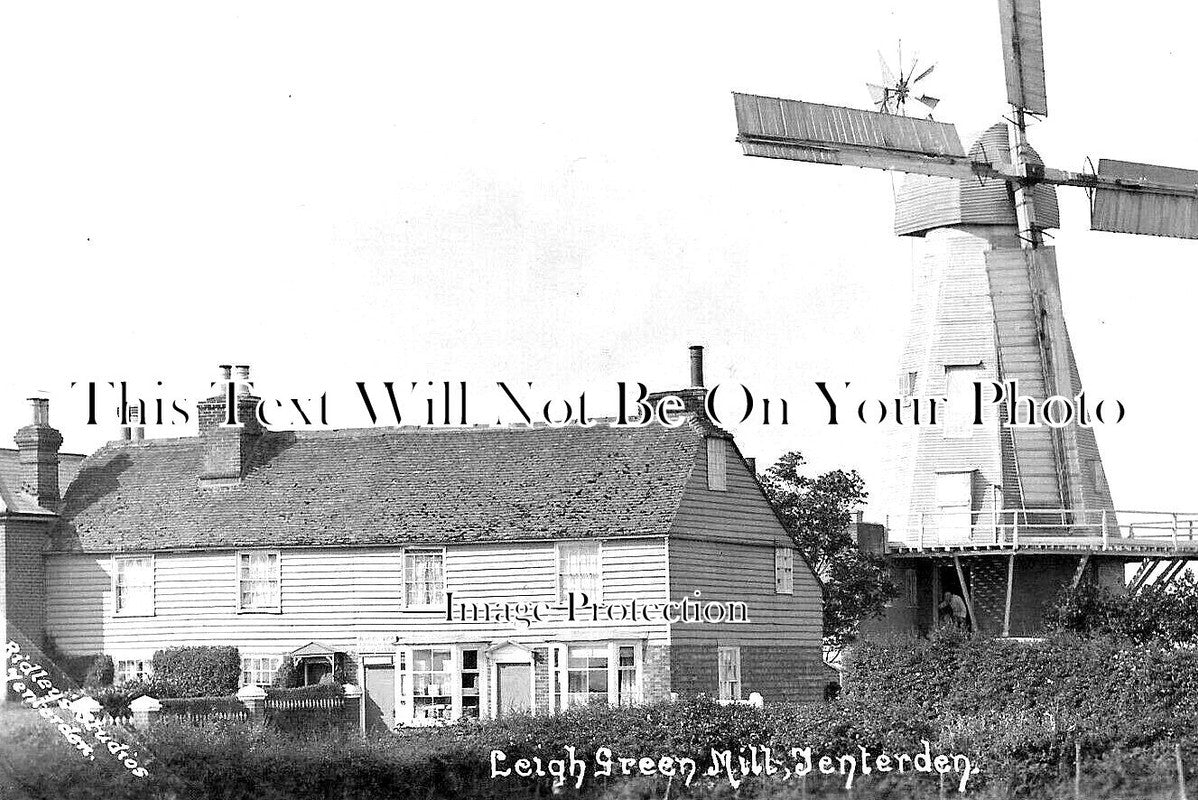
(384, 486)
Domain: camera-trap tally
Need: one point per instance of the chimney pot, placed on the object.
(126, 433)
(243, 379)
(41, 410)
(696, 366)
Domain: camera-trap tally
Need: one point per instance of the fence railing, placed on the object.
(250, 704)
(1099, 529)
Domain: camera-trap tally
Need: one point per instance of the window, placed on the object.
(959, 391)
(134, 579)
(259, 670)
(586, 675)
(717, 463)
(729, 673)
(596, 672)
(578, 570)
(470, 684)
(432, 684)
(784, 570)
(626, 693)
(424, 577)
(133, 670)
(908, 384)
(258, 581)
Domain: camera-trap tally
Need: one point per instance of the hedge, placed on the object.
(315, 691)
(196, 671)
(1017, 709)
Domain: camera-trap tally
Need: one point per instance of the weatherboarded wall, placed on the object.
(722, 546)
(333, 596)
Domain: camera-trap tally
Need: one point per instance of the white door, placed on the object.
(954, 503)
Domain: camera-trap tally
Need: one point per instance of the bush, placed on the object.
(115, 700)
(288, 675)
(75, 667)
(1154, 614)
(196, 671)
(100, 672)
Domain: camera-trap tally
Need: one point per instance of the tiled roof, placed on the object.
(12, 499)
(384, 486)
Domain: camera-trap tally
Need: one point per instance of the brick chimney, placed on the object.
(37, 446)
(228, 447)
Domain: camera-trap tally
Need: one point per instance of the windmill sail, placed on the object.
(801, 131)
(1145, 198)
(1023, 54)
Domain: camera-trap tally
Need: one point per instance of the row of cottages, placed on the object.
(434, 566)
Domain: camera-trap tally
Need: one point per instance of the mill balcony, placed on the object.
(1133, 534)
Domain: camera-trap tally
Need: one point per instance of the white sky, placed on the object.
(545, 192)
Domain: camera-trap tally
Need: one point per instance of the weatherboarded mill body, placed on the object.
(1003, 499)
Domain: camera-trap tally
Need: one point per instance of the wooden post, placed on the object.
(937, 591)
(994, 513)
(973, 620)
(355, 704)
(1181, 773)
(1006, 616)
(1174, 531)
(1077, 770)
(1015, 529)
(1082, 563)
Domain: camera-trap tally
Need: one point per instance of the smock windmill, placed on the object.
(965, 499)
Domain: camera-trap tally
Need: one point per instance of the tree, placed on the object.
(817, 513)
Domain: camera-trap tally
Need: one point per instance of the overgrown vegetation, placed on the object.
(1017, 709)
(1154, 614)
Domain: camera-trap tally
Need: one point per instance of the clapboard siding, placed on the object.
(334, 596)
(722, 544)
(726, 572)
(977, 300)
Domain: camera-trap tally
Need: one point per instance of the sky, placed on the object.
(545, 193)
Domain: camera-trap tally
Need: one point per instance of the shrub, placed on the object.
(196, 671)
(100, 672)
(288, 675)
(74, 667)
(1166, 614)
(115, 700)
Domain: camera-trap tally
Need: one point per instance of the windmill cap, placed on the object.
(924, 203)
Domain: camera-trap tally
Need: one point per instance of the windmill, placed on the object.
(1003, 514)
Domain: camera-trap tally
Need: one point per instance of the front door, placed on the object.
(315, 670)
(514, 690)
(380, 695)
